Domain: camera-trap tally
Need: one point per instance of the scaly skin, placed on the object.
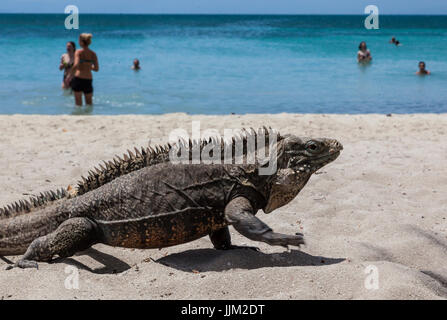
(168, 204)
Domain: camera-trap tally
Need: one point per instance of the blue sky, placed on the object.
(228, 6)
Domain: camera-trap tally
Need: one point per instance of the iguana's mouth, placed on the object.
(332, 155)
(318, 161)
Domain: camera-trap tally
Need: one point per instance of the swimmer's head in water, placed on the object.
(136, 64)
(422, 70)
(85, 39)
(362, 45)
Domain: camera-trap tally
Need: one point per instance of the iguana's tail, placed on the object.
(25, 221)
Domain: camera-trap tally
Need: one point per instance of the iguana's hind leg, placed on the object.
(73, 235)
(221, 240)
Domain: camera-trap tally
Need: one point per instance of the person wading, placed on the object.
(85, 62)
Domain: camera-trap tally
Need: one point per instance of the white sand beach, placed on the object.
(380, 206)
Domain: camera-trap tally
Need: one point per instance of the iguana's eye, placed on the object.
(312, 146)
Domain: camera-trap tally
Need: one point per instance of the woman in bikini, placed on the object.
(85, 62)
(67, 61)
(363, 55)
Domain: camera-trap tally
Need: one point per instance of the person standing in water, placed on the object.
(67, 61)
(363, 55)
(85, 62)
(422, 71)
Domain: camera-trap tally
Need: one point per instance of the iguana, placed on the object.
(147, 201)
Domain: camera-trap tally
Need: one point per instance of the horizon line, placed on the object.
(234, 14)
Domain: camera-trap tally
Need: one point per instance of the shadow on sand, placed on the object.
(214, 260)
(204, 260)
(110, 263)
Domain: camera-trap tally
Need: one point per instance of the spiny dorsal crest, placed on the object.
(118, 166)
(241, 147)
(149, 156)
(25, 206)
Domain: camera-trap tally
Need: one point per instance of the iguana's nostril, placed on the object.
(338, 145)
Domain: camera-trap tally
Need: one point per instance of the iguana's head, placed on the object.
(307, 154)
(297, 159)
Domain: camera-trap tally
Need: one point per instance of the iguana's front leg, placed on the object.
(73, 235)
(239, 213)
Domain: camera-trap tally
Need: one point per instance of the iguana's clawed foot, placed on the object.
(284, 240)
(300, 241)
(23, 264)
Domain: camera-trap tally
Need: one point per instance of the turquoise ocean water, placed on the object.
(218, 64)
